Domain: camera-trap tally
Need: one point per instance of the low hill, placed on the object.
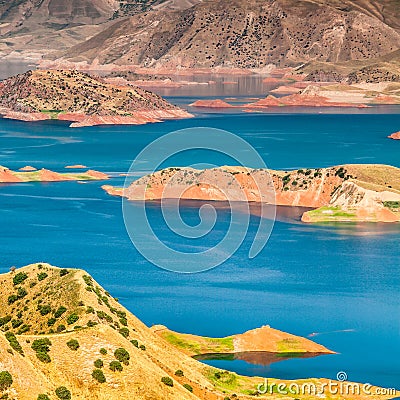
(63, 336)
(75, 96)
(340, 193)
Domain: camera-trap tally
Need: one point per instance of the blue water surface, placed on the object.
(339, 281)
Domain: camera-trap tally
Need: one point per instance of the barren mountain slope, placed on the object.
(247, 34)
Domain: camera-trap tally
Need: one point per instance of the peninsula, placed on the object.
(62, 334)
(346, 193)
(82, 99)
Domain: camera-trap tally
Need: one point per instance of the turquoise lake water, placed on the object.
(341, 281)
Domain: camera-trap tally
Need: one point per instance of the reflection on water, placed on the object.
(263, 358)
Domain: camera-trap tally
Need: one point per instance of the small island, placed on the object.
(68, 95)
(30, 174)
(346, 193)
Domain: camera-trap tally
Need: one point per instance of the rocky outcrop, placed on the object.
(84, 100)
(342, 193)
(395, 136)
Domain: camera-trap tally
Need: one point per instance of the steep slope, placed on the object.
(342, 193)
(74, 96)
(249, 34)
(59, 328)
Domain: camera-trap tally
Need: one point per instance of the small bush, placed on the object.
(103, 351)
(12, 339)
(73, 344)
(44, 310)
(166, 380)
(19, 278)
(63, 393)
(124, 332)
(5, 320)
(61, 310)
(122, 355)
(72, 319)
(24, 328)
(188, 387)
(51, 321)
(142, 347)
(6, 380)
(42, 347)
(123, 321)
(42, 276)
(135, 342)
(116, 366)
(15, 323)
(64, 272)
(61, 328)
(12, 299)
(179, 372)
(43, 397)
(99, 363)
(98, 375)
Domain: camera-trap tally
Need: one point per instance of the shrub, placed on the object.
(124, 332)
(98, 375)
(116, 366)
(42, 347)
(42, 276)
(6, 380)
(43, 397)
(51, 321)
(64, 272)
(63, 393)
(43, 357)
(122, 355)
(103, 351)
(99, 363)
(61, 310)
(19, 278)
(188, 387)
(142, 347)
(135, 342)
(44, 310)
(91, 324)
(179, 372)
(60, 328)
(89, 310)
(73, 344)
(12, 339)
(16, 323)
(5, 320)
(166, 380)
(72, 319)
(24, 328)
(123, 321)
(12, 299)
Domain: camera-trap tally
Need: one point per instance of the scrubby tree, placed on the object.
(63, 393)
(6, 380)
(98, 375)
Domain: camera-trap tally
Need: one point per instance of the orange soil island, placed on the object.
(30, 174)
(342, 193)
(211, 104)
(395, 136)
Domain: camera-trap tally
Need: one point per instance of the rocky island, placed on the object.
(62, 334)
(82, 99)
(30, 174)
(346, 193)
